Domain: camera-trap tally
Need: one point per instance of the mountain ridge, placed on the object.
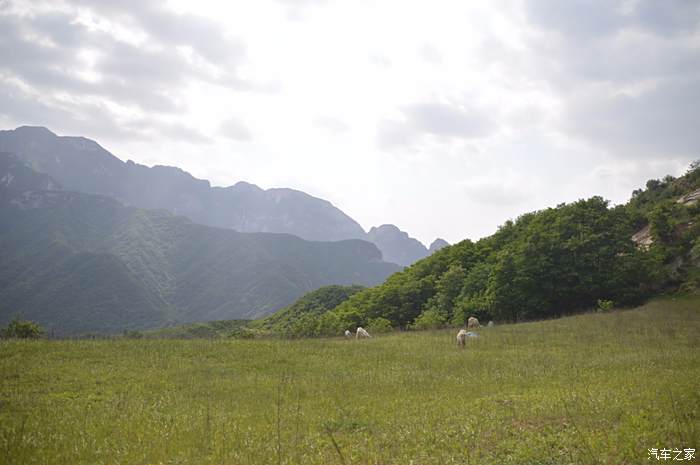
(396, 245)
(83, 165)
(251, 210)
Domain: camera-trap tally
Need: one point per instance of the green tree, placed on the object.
(330, 324)
(22, 329)
(379, 325)
(449, 286)
(429, 319)
(605, 305)
(502, 289)
(477, 305)
(547, 263)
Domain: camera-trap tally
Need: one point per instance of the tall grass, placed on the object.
(594, 388)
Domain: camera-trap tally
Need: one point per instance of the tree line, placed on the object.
(542, 265)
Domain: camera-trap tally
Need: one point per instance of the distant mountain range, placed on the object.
(82, 165)
(78, 262)
(396, 245)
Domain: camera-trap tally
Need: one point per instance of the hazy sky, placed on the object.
(445, 117)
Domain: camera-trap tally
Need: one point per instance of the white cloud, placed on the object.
(446, 119)
(235, 129)
(331, 124)
(437, 119)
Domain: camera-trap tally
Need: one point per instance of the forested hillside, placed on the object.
(545, 264)
(308, 316)
(81, 263)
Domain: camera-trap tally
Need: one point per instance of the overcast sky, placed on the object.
(445, 118)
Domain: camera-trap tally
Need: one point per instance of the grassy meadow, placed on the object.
(588, 389)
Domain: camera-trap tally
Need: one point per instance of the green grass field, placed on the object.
(588, 389)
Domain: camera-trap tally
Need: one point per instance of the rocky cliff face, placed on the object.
(16, 176)
(690, 199)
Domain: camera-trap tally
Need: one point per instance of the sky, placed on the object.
(445, 118)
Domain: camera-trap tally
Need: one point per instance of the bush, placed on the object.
(245, 333)
(472, 306)
(605, 305)
(305, 325)
(379, 325)
(429, 319)
(133, 334)
(329, 324)
(22, 329)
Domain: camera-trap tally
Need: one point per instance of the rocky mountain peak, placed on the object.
(396, 245)
(438, 244)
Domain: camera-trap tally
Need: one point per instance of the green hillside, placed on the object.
(304, 318)
(546, 264)
(81, 263)
(307, 316)
(597, 388)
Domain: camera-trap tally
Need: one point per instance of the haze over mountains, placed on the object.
(396, 245)
(79, 262)
(82, 165)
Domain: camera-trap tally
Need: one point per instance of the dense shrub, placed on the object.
(605, 305)
(429, 319)
(22, 329)
(379, 325)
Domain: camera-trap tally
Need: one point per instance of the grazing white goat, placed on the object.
(462, 338)
(348, 333)
(361, 332)
(490, 325)
(472, 322)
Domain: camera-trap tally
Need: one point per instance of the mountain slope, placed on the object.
(396, 245)
(17, 177)
(83, 165)
(53, 270)
(304, 317)
(77, 262)
(437, 244)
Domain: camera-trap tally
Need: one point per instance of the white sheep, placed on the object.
(361, 332)
(462, 338)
